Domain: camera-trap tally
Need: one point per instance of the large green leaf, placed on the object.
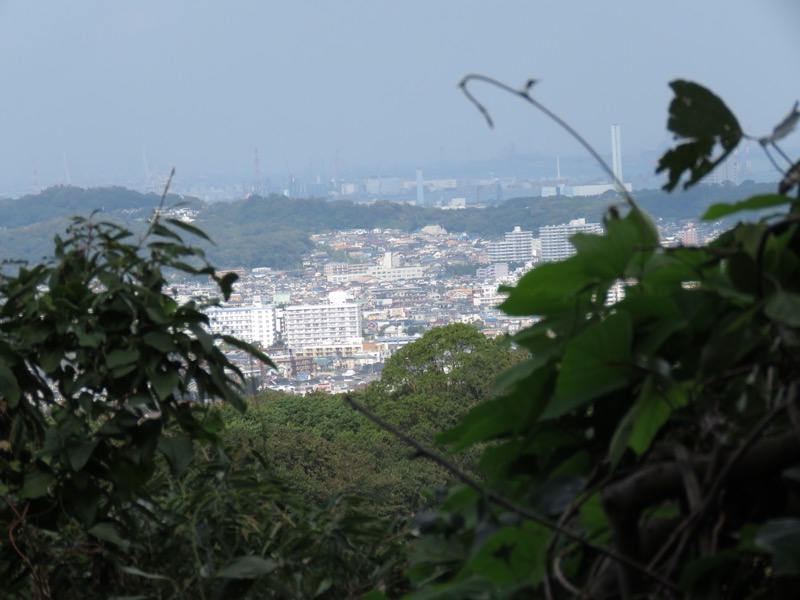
(163, 382)
(118, 358)
(79, 453)
(160, 340)
(595, 362)
(549, 288)
(36, 484)
(651, 412)
(702, 119)
(9, 388)
(179, 453)
(608, 255)
(513, 554)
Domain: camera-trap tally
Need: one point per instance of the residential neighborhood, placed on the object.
(363, 294)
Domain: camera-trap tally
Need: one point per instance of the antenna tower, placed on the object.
(257, 189)
(35, 182)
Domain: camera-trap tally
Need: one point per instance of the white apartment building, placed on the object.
(555, 238)
(517, 246)
(389, 269)
(323, 329)
(254, 324)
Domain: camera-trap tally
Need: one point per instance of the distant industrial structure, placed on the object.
(616, 155)
(595, 189)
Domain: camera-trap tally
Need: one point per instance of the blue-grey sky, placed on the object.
(93, 87)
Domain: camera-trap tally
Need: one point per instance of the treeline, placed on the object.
(321, 445)
(274, 231)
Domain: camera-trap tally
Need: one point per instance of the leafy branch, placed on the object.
(501, 500)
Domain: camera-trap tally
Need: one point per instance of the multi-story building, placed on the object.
(493, 271)
(517, 246)
(389, 269)
(322, 330)
(255, 323)
(555, 238)
(338, 270)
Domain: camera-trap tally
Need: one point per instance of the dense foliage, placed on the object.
(321, 445)
(649, 447)
(113, 475)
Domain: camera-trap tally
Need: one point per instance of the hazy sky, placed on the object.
(94, 85)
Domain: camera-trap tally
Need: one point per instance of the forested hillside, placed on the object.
(274, 231)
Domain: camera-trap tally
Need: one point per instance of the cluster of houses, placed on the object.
(363, 294)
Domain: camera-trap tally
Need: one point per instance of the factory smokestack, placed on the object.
(616, 155)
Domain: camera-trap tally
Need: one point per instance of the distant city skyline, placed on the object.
(105, 93)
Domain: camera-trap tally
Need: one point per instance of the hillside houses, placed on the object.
(360, 296)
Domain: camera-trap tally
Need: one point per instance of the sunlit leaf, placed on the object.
(549, 288)
(248, 567)
(189, 228)
(718, 211)
(609, 255)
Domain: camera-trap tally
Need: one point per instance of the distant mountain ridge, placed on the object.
(274, 231)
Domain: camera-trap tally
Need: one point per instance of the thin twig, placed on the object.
(505, 502)
(548, 587)
(525, 95)
(562, 579)
(165, 192)
(772, 160)
(567, 513)
(18, 518)
(159, 208)
(781, 152)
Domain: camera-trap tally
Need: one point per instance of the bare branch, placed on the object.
(524, 94)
